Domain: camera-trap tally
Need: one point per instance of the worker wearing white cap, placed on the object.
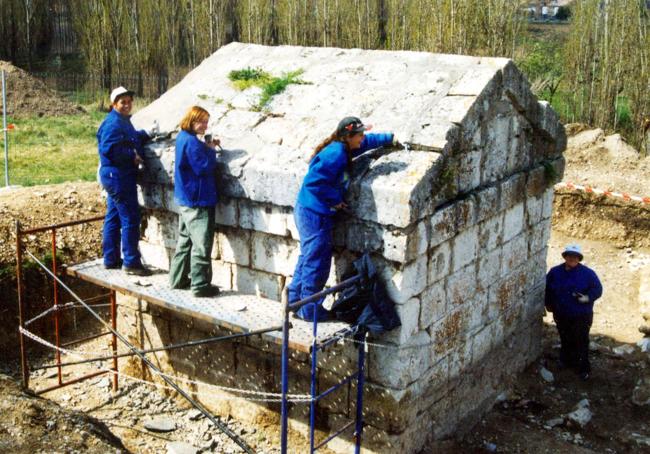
(120, 153)
(571, 290)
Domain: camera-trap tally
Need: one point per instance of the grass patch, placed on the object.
(49, 150)
(270, 85)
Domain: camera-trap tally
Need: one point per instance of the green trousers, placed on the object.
(191, 265)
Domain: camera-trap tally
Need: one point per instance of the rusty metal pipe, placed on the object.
(62, 224)
(72, 382)
(55, 290)
(21, 309)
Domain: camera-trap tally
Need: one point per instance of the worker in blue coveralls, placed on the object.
(195, 191)
(120, 154)
(571, 290)
(320, 198)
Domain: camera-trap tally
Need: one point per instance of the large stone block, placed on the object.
(406, 245)
(234, 246)
(397, 368)
(439, 262)
(513, 222)
(409, 315)
(406, 281)
(515, 252)
(491, 233)
(443, 225)
(465, 248)
(274, 254)
(461, 286)
(489, 269)
(513, 191)
(265, 218)
(433, 304)
(264, 285)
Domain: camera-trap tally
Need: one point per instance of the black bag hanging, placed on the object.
(367, 303)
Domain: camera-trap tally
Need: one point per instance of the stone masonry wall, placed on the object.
(458, 227)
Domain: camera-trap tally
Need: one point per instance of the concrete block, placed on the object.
(406, 281)
(465, 248)
(461, 286)
(513, 222)
(264, 285)
(274, 254)
(234, 246)
(433, 304)
(439, 262)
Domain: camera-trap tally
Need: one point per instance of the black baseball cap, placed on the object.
(351, 125)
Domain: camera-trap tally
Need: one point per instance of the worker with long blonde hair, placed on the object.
(195, 191)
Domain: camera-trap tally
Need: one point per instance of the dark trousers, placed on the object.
(574, 337)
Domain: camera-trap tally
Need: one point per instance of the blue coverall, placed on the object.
(118, 144)
(573, 318)
(323, 187)
(195, 190)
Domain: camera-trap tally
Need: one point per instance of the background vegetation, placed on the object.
(594, 69)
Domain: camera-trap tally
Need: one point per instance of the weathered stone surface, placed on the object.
(451, 223)
(274, 254)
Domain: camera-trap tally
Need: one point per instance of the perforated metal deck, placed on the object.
(224, 310)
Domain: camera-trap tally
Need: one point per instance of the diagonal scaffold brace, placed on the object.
(222, 427)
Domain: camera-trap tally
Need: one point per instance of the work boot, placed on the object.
(113, 266)
(206, 292)
(137, 271)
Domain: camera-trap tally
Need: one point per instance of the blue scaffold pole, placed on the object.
(284, 411)
(360, 383)
(312, 404)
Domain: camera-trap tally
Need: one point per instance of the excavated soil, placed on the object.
(27, 96)
(531, 417)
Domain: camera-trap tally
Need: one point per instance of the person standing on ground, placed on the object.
(120, 153)
(195, 191)
(571, 290)
(320, 198)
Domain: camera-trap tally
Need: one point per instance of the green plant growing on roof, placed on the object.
(270, 85)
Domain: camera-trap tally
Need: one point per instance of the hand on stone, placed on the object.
(340, 206)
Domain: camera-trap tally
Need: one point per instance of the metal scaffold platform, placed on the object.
(243, 314)
(237, 312)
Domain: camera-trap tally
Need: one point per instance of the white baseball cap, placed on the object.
(573, 249)
(120, 91)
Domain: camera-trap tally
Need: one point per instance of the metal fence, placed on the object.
(89, 87)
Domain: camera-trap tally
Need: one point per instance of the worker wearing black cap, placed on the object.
(321, 197)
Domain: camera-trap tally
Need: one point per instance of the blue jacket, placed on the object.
(118, 143)
(194, 172)
(561, 284)
(327, 178)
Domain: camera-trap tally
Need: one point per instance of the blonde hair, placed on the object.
(193, 115)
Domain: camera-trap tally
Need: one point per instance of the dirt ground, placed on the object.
(532, 417)
(27, 96)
